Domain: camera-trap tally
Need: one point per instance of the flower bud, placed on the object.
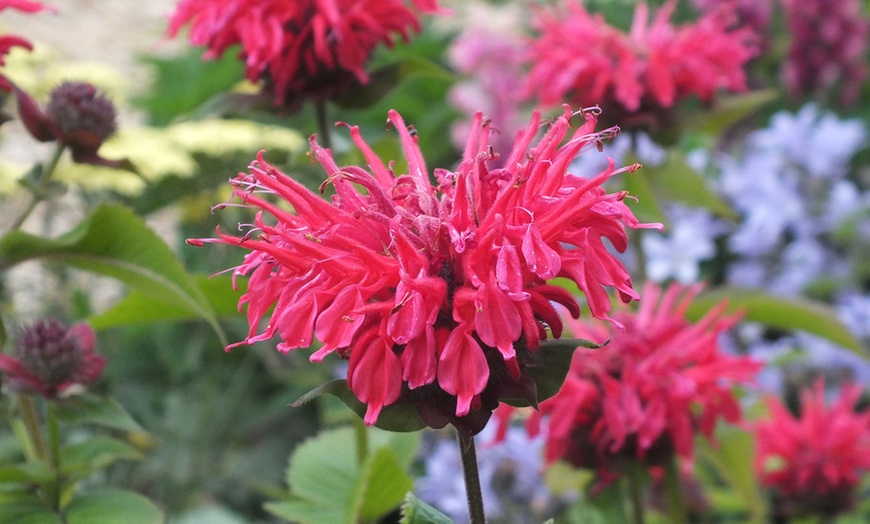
(49, 351)
(84, 116)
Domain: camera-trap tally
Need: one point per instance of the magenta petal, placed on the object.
(375, 376)
(462, 368)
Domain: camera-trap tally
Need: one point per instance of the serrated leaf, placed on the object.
(328, 483)
(91, 409)
(321, 475)
(113, 241)
(384, 484)
(140, 308)
(96, 453)
(415, 511)
(111, 506)
(397, 417)
(27, 512)
(784, 313)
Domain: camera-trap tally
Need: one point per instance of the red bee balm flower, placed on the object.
(645, 393)
(302, 48)
(433, 288)
(815, 461)
(580, 59)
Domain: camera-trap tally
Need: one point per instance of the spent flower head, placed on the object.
(299, 48)
(814, 461)
(78, 115)
(51, 358)
(647, 392)
(437, 293)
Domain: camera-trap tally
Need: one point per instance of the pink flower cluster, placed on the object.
(828, 48)
(646, 392)
(580, 59)
(301, 48)
(816, 460)
(437, 287)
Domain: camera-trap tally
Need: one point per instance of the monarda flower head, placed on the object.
(300, 48)
(828, 50)
(814, 461)
(52, 358)
(646, 393)
(636, 77)
(437, 292)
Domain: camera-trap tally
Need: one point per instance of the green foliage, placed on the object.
(731, 457)
(112, 506)
(332, 481)
(415, 511)
(778, 312)
(185, 82)
(115, 242)
(141, 308)
(90, 409)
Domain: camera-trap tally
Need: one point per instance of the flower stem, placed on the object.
(673, 494)
(324, 132)
(31, 422)
(634, 483)
(362, 440)
(472, 477)
(38, 191)
(54, 455)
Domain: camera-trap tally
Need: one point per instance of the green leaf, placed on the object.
(184, 82)
(384, 79)
(384, 484)
(96, 453)
(674, 180)
(732, 457)
(111, 506)
(113, 241)
(91, 409)
(778, 312)
(728, 110)
(140, 308)
(29, 473)
(328, 484)
(396, 417)
(415, 511)
(27, 511)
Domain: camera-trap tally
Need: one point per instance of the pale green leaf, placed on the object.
(732, 457)
(415, 511)
(113, 241)
(96, 453)
(91, 409)
(383, 484)
(784, 313)
(112, 506)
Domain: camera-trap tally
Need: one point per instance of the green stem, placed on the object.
(324, 130)
(674, 494)
(634, 484)
(472, 477)
(39, 190)
(54, 455)
(31, 423)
